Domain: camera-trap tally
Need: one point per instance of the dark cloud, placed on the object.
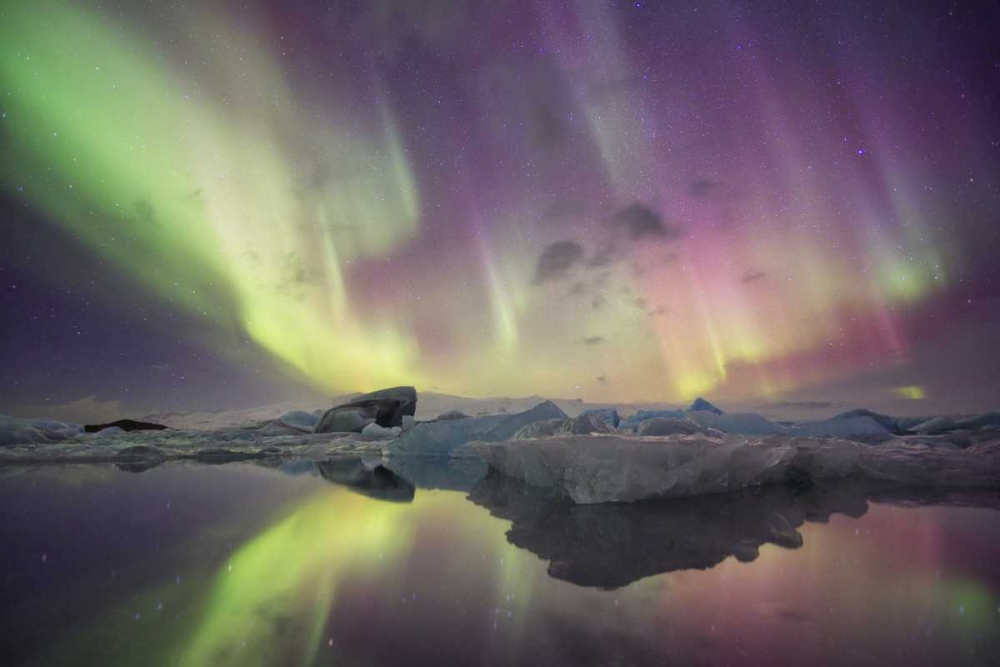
(702, 188)
(642, 222)
(602, 379)
(578, 289)
(752, 277)
(598, 302)
(557, 259)
(295, 278)
(593, 340)
(604, 257)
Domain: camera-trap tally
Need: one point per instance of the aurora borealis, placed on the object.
(612, 200)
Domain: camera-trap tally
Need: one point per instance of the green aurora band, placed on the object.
(195, 196)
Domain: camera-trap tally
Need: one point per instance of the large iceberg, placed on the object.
(619, 468)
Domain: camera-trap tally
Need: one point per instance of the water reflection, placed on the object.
(246, 565)
(372, 480)
(446, 474)
(610, 546)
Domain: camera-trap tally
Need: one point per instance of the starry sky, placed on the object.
(220, 204)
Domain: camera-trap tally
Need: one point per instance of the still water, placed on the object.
(334, 565)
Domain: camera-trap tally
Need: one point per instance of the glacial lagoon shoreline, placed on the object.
(595, 457)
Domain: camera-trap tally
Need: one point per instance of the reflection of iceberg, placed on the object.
(612, 545)
(372, 481)
(431, 473)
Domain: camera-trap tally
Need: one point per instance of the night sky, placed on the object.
(211, 205)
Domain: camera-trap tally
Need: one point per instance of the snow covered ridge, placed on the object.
(621, 468)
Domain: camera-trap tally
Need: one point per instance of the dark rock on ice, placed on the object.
(385, 407)
(125, 425)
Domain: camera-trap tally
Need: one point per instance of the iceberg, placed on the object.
(744, 423)
(617, 468)
(440, 438)
(609, 416)
(842, 426)
(700, 404)
(633, 421)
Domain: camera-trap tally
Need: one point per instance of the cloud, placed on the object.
(642, 222)
(604, 257)
(703, 188)
(598, 302)
(602, 379)
(556, 261)
(593, 340)
(751, 277)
